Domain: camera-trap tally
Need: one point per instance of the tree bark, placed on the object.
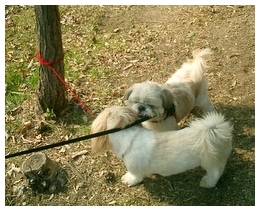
(51, 93)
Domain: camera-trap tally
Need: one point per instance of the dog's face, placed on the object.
(110, 118)
(148, 99)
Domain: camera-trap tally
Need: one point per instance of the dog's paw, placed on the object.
(130, 179)
(206, 182)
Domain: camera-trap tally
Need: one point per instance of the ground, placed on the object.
(124, 45)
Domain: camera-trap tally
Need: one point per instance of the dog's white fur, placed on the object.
(185, 89)
(206, 143)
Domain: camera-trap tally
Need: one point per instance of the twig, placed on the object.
(74, 169)
(189, 198)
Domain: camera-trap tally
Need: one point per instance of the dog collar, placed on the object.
(170, 112)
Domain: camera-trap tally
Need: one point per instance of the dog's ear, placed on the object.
(167, 98)
(128, 92)
(100, 143)
(115, 122)
(121, 117)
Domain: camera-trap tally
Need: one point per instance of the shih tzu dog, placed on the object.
(172, 101)
(206, 142)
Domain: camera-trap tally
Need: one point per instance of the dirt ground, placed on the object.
(150, 43)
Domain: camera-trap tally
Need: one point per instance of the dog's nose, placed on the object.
(141, 108)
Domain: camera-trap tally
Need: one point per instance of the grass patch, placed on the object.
(20, 76)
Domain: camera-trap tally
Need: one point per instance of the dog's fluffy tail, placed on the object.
(198, 65)
(214, 136)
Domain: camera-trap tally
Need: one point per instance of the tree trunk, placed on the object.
(51, 93)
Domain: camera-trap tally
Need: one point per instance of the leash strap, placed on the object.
(76, 139)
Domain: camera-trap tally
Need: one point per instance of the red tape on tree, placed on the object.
(50, 65)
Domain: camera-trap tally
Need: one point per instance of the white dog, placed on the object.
(206, 143)
(172, 101)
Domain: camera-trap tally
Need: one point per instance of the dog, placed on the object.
(172, 101)
(206, 142)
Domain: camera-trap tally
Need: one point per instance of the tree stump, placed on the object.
(43, 174)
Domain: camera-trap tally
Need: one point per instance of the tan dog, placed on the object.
(172, 101)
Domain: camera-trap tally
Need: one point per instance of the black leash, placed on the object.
(76, 139)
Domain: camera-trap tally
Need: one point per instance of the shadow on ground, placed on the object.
(237, 184)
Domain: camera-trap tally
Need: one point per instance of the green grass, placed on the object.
(20, 50)
(19, 83)
(21, 45)
(76, 47)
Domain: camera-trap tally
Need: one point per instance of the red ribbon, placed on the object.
(50, 65)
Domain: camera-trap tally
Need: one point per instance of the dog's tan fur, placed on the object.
(186, 89)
